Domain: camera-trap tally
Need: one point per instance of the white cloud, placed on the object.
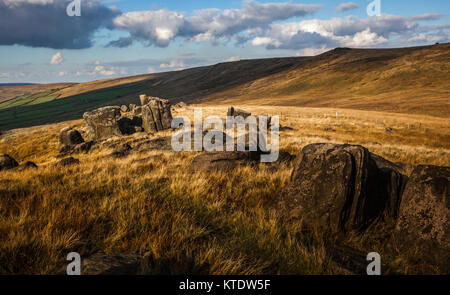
(313, 51)
(233, 58)
(174, 63)
(160, 27)
(349, 31)
(56, 59)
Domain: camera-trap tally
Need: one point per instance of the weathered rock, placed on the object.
(124, 109)
(144, 99)
(68, 162)
(131, 107)
(103, 122)
(7, 162)
(223, 161)
(156, 115)
(137, 111)
(340, 187)
(70, 137)
(233, 112)
(424, 217)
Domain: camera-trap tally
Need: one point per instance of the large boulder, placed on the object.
(7, 162)
(424, 215)
(103, 122)
(156, 115)
(341, 188)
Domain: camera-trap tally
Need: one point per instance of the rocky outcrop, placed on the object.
(7, 162)
(341, 188)
(424, 217)
(156, 115)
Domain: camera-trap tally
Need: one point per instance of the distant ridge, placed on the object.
(17, 84)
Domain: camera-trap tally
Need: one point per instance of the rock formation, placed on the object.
(155, 115)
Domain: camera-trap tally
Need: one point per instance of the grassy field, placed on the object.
(28, 99)
(202, 223)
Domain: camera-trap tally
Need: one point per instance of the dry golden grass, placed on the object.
(404, 80)
(202, 223)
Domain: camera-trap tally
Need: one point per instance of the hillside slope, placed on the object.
(404, 80)
(409, 80)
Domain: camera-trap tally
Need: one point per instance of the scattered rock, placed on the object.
(25, 166)
(285, 128)
(424, 217)
(70, 137)
(68, 162)
(7, 162)
(233, 112)
(329, 129)
(223, 161)
(389, 130)
(180, 105)
(340, 187)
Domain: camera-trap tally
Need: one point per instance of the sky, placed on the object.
(46, 41)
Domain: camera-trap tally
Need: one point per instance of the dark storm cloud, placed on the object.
(45, 23)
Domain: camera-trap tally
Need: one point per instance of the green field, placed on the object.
(43, 108)
(29, 99)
